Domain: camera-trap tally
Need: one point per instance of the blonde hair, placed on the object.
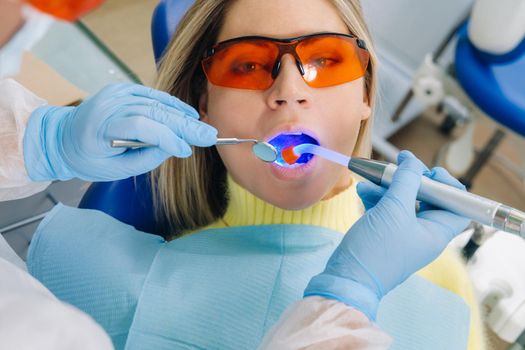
(191, 193)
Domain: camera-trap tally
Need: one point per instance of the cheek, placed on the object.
(229, 111)
(233, 113)
(344, 114)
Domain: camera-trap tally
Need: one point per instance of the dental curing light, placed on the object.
(469, 205)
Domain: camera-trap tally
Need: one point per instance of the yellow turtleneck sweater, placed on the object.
(339, 213)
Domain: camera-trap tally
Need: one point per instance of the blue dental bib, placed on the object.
(215, 289)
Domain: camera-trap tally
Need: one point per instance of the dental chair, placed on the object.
(485, 80)
(489, 64)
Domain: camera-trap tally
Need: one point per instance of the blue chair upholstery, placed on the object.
(130, 200)
(166, 16)
(494, 83)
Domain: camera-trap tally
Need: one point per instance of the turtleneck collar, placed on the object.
(337, 213)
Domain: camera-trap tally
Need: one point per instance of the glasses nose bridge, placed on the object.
(287, 48)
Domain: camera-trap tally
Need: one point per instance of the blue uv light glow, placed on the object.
(283, 141)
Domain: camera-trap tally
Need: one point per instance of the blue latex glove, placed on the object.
(390, 241)
(65, 142)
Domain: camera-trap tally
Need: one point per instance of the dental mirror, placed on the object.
(262, 150)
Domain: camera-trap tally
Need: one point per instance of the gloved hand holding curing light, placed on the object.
(66, 142)
(390, 241)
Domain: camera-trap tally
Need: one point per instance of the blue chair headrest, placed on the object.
(166, 17)
(129, 200)
(495, 85)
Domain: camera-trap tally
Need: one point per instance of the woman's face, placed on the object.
(332, 114)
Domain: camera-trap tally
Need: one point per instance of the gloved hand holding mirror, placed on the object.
(66, 142)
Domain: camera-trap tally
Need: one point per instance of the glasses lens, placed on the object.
(332, 60)
(242, 65)
(69, 10)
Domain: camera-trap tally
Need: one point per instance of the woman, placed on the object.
(246, 237)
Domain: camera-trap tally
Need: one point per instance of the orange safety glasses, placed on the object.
(253, 62)
(69, 10)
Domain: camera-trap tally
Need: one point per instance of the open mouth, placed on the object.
(285, 140)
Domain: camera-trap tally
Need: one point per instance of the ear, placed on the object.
(203, 107)
(366, 109)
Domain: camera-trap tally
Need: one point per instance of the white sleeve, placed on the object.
(7, 253)
(32, 318)
(16, 105)
(319, 323)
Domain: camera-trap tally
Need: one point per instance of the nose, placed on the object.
(289, 88)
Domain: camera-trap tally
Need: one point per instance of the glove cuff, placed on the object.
(43, 144)
(346, 291)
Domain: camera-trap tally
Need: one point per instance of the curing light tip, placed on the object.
(289, 155)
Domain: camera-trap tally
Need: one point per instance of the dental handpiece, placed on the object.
(469, 205)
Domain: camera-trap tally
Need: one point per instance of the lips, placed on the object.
(285, 140)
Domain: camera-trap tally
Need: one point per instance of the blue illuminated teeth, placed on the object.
(286, 140)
